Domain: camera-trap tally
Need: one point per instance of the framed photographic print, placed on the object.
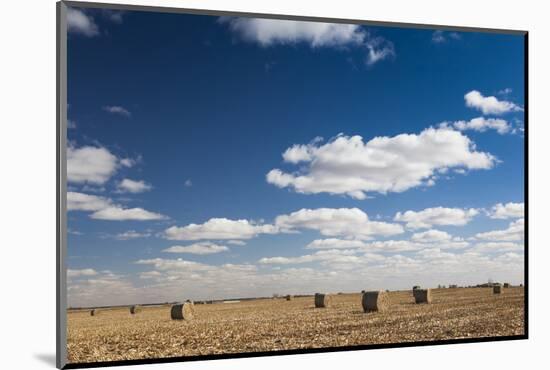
(235, 184)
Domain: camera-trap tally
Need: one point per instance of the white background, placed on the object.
(27, 181)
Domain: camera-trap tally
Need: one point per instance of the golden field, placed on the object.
(278, 324)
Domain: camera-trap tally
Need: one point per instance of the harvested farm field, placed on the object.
(280, 324)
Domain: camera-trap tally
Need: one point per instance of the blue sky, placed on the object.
(228, 157)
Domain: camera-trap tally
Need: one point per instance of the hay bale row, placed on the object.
(182, 311)
(322, 300)
(135, 309)
(375, 301)
(422, 295)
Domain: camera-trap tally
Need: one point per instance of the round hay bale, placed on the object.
(182, 311)
(422, 295)
(497, 289)
(289, 297)
(134, 309)
(94, 312)
(507, 285)
(375, 301)
(322, 300)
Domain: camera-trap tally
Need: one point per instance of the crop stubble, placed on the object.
(272, 325)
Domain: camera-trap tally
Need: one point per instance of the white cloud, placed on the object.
(105, 209)
(85, 202)
(412, 245)
(327, 256)
(347, 165)
(497, 247)
(236, 242)
(269, 32)
(188, 183)
(133, 186)
(514, 232)
(431, 236)
(345, 222)
(489, 104)
(71, 273)
(132, 234)
(128, 162)
(333, 243)
(89, 164)
(80, 22)
(440, 36)
(71, 124)
(217, 229)
(115, 109)
(338, 270)
(481, 124)
(508, 210)
(197, 248)
(436, 216)
(117, 213)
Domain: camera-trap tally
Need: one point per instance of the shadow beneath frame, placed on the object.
(47, 358)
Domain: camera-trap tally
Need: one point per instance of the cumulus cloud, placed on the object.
(333, 243)
(72, 273)
(116, 109)
(489, 104)
(508, 210)
(269, 32)
(436, 216)
(117, 213)
(81, 23)
(342, 270)
(327, 256)
(481, 124)
(218, 229)
(413, 245)
(497, 247)
(347, 165)
(236, 242)
(104, 208)
(86, 202)
(90, 164)
(514, 232)
(197, 248)
(133, 186)
(344, 222)
(132, 234)
(431, 236)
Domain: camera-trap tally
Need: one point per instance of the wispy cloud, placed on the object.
(440, 37)
(116, 109)
(81, 23)
(489, 104)
(197, 248)
(481, 124)
(270, 32)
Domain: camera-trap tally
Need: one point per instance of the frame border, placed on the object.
(61, 188)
